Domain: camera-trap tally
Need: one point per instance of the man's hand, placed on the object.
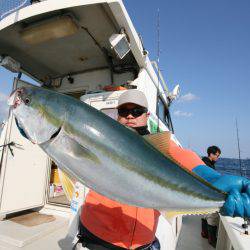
(237, 187)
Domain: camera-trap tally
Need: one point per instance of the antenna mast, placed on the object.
(158, 40)
(158, 66)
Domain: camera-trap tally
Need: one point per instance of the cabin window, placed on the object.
(161, 110)
(163, 114)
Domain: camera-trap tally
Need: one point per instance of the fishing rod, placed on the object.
(246, 220)
(238, 143)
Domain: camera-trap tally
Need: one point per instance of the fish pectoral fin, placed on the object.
(161, 141)
(170, 215)
(77, 150)
(67, 183)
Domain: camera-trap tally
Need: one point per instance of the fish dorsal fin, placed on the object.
(161, 141)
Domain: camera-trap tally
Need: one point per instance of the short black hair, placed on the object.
(213, 150)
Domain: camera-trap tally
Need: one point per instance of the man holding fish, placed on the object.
(111, 224)
(150, 172)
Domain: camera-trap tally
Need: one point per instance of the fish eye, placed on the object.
(27, 101)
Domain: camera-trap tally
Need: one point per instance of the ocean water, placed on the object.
(232, 166)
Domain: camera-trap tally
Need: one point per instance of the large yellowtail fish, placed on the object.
(108, 157)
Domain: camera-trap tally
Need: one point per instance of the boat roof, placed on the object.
(71, 54)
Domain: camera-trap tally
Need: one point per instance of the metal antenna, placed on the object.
(158, 70)
(158, 39)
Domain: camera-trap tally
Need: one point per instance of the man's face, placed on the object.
(214, 157)
(129, 119)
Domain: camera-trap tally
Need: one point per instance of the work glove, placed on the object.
(237, 203)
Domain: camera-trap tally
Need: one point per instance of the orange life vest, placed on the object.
(127, 226)
(119, 224)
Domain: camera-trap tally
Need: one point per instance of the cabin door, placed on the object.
(24, 174)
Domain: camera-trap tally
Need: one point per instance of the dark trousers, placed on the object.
(92, 242)
(154, 246)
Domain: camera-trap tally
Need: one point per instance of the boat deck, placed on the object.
(48, 230)
(190, 235)
(44, 231)
(34, 231)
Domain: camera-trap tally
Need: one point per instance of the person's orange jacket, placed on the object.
(127, 226)
(119, 224)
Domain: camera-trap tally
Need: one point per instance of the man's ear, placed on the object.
(148, 114)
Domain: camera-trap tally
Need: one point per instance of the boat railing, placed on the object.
(232, 235)
(10, 6)
(160, 77)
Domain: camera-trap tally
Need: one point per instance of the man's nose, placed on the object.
(129, 116)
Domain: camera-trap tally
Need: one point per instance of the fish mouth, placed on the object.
(56, 133)
(15, 98)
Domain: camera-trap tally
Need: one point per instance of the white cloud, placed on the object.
(189, 97)
(181, 113)
(3, 107)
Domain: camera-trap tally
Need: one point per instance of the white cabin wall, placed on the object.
(146, 85)
(28, 162)
(94, 80)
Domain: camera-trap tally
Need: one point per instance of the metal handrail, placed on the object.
(15, 7)
(162, 81)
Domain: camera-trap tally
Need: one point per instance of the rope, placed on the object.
(10, 145)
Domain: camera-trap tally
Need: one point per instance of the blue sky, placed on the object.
(204, 48)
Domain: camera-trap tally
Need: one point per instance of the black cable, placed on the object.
(9, 146)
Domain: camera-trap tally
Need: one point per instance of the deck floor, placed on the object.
(190, 236)
(28, 233)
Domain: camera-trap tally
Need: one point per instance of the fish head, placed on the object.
(38, 113)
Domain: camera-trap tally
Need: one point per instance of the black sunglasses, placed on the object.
(135, 112)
